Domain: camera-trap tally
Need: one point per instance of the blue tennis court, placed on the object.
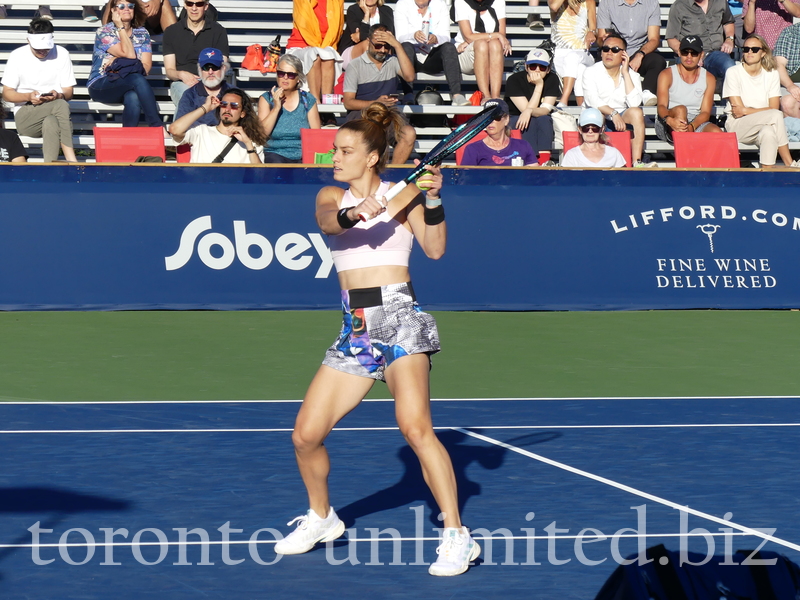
(184, 499)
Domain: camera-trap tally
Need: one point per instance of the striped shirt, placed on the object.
(629, 20)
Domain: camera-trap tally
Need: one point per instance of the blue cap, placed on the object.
(591, 116)
(210, 56)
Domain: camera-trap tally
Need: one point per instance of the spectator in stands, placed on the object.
(159, 15)
(787, 57)
(712, 22)
(769, 18)
(595, 151)
(183, 41)
(686, 93)
(359, 18)
(498, 148)
(317, 27)
(531, 95)
(613, 88)
(639, 22)
(122, 57)
(286, 110)
(573, 31)
(373, 77)
(423, 27)
(232, 141)
(11, 148)
(482, 43)
(211, 69)
(738, 21)
(753, 91)
(39, 81)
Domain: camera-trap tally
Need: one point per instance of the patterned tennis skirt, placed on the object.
(380, 325)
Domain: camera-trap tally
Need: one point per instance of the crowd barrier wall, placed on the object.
(109, 237)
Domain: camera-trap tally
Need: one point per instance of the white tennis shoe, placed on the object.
(311, 529)
(455, 552)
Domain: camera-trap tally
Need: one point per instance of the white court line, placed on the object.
(395, 428)
(631, 490)
(542, 399)
(588, 538)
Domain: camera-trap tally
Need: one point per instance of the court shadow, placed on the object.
(412, 488)
(50, 507)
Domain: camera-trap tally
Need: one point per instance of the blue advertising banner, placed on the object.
(217, 237)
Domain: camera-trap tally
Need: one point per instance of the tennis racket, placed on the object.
(457, 138)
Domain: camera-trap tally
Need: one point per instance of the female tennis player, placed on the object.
(385, 335)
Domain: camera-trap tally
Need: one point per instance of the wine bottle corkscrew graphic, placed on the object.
(709, 230)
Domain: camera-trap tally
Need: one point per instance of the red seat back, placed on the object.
(183, 153)
(126, 144)
(706, 150)
(621, 140)
(316, 140)
(515, 133)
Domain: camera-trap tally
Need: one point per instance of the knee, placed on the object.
(131, 100)
(480, 47)
(636, 116)
(409, 134)
(417, 435)
(305, 439)
(49, 122)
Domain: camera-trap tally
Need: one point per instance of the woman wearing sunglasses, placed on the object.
(531, 95)
(595, 151)
(753, 90)
(121, 59)
(685, 93)
(498, 148)
(286, 110)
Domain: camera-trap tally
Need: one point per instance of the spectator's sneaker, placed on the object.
(459, 100)
(549, 163)
(795, 164)
(649, 98)
(644, 165)
(311, 528)
(455, 552)
(89, 15)
(44, 13)
(3, 12)
(535, 23)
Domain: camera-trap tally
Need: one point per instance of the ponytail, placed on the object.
(376, 121)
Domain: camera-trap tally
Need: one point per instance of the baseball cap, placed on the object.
(591, 116)
(41, 41)
(691, 42)
(210, 56)
(538, 56)
(497, 102)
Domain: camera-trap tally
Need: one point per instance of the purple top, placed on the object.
(479, 154)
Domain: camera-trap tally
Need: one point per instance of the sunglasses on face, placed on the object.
(200, 4)
(380, 46)
(537, 67)
(615, 49)
(286, 74)
(210, 67)
(128, 5)
(590, 129)
(753, 49)
(688, 52)
(226, 104)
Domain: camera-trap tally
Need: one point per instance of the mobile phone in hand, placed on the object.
(46, 95)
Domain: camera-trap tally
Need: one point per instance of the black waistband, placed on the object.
(366, 297)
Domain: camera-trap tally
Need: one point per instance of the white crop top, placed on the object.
(379, 242)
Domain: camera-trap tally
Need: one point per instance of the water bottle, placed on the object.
(426, 26)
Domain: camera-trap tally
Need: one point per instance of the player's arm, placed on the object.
(426, 215)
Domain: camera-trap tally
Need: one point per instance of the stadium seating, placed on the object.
(706, 150)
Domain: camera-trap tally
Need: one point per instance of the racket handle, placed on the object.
(395, 189)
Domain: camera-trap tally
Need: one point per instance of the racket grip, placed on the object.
(395, 189)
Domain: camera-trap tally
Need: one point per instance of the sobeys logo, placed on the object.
(290, 249)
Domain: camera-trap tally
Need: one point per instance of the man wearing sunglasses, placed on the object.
(183, 41)
(713, 23)
(615, 89)
(639, 22)
(211, 69)
(373, 77)
(39, 80)
(232, 141)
